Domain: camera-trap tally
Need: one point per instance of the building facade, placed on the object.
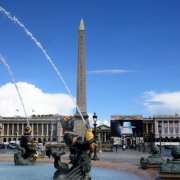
(44, 128)
(147, 130)
(170, 129)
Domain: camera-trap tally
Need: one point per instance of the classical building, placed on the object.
(103, 132)
(170, 129)
(44, 128)
(151, 129)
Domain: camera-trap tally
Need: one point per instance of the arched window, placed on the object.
(39, 140)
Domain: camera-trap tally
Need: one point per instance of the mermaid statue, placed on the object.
(80, 149)
(27, 153)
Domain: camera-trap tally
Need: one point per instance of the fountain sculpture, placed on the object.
(171, 168)
(153, 161)
(26, 154)
(79, 166)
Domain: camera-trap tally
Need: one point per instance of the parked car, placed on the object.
(12, 146)
(2, 146)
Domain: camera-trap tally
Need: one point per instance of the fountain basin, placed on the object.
(45, 171)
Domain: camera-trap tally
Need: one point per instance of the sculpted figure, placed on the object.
(171, 167)
(80, 153)
(155, 160)
(27, 153)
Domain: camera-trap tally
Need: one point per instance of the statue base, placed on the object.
(20, 161)
(169, 176)
(170, 169)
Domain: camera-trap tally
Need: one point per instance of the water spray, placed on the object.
(14, 82)
(38, 44)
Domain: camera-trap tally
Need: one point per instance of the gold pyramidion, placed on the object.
(81, 27)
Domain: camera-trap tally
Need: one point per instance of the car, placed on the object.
(12, 146)
(2, 146)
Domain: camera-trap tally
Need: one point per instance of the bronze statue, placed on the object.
(27, 153)
(153, 161)
(80, 153)
(171, 168)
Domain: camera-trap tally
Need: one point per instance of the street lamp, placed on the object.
(95, 157)
(1, 134)
(139, 140)
(135, 140)
(144, 140)
(159, 129)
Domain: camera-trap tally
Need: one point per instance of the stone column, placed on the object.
(32, 126)
(42, 129)
(168, 127)
(47, 130)
(80, 127)
(17, 129)
(105, 136)
(37, 129)
(59, 131)
(22, 128)
(13, 129)
(99, 136)
(3, 129)
(8, 129)
(162, 127)
(147, 128)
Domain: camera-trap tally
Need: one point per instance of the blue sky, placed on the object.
(132, 52)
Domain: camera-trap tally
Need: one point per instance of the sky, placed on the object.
(132, 57)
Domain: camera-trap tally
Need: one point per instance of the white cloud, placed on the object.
(162, 103)
(33, 99)
(110, 71)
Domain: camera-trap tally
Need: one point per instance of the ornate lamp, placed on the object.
(160, 130)
(95, 157)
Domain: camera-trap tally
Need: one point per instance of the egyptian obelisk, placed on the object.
(80, 127)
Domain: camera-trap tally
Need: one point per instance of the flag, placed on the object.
(17, 110)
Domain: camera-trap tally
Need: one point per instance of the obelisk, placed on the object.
(80, 127)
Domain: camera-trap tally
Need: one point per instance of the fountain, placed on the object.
(14, 82)
(153, 161)
(80, 150)
(171, 168)
(79, 166)
(27, 153)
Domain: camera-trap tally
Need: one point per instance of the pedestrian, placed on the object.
(48, 151)
(124, 147)
(116, 146)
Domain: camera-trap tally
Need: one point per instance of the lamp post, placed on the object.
(144, 140)
(139, 140)
(95, 157)
(159, 129)
(1, 134)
